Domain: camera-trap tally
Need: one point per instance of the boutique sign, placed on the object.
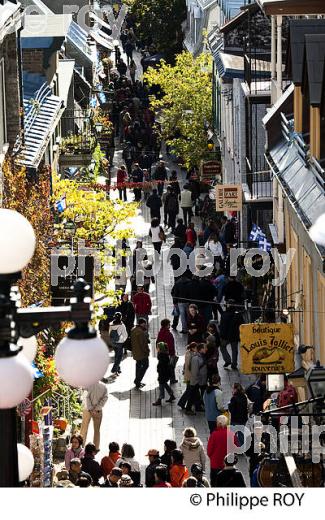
(267, 348)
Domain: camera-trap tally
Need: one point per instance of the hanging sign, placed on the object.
(267, 348)
(229, 197)
(210, 170)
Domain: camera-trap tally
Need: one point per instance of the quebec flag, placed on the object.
(256, 234)
(264, 244)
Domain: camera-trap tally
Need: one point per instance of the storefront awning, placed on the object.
(102, 39)
(42, 115)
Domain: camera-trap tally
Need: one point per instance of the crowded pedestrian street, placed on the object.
(162, 284)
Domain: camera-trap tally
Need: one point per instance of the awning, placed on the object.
(78, 37)
(102, 39)
(102, 24)
(41, 118)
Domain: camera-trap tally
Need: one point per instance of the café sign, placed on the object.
(229, 197)
(267, 348)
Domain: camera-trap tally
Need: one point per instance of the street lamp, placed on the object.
(89, 353)
(316, 380)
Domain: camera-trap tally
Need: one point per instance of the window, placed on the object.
(3, 124)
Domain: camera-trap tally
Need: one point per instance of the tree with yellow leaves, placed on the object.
(185, 106)
(98, 221)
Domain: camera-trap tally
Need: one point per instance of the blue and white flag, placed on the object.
(264, 244)
(36, 372)
(256, 234)
(61, 204)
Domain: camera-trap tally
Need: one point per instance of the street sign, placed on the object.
(210, 170)
(267, 348)
(229, 197)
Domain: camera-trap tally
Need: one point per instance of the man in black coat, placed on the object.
(180, 231)
(161, 174)
(154, 204)
(234, 290)
(90, 465)
(230, 322)
(154, 461)
(180, 294)
(137, 176)
(230, 476)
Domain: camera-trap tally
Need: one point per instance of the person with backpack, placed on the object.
(117, 336)
(213, 402)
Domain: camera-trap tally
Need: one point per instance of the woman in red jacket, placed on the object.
(122, 178)
(167, 337)
(221, 442)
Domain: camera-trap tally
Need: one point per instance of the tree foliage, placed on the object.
(160, 20)
(98, 221)
(32, 199)
(185, 105)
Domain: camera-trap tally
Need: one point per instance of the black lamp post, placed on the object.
(316, 380)
(17, 243)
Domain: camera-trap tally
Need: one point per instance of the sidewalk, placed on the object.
(129, 415)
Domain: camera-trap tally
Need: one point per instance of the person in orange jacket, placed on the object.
(178, 471)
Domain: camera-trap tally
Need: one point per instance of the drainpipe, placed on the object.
(273, 58)
(279, 56)
(20, 73)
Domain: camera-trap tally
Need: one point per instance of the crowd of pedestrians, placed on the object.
(207, 310)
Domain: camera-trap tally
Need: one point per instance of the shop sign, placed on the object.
(267, 348)
(210, 170)
(229, 197)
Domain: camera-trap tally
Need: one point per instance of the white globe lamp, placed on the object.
(25, 462)
(16, 380)
(82, 362)
(29, 347)
(17, 241)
